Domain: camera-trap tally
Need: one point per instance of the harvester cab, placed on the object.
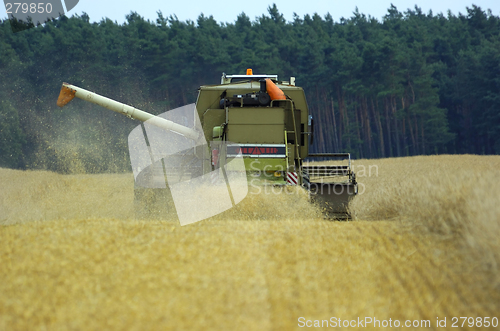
(258, 118)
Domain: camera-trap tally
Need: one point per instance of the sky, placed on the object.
(225, 11)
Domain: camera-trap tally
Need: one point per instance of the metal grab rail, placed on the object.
(335, 155)
(328, 171)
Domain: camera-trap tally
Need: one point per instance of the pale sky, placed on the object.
(227, 11)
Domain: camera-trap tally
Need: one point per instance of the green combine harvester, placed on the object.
(256, 118)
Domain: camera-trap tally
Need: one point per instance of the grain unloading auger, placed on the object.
(258, 117)
(68, 92)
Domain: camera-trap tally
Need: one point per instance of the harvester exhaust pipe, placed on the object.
(69, 92)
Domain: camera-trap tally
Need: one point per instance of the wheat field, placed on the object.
(423, 244)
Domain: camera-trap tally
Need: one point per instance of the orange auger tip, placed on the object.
(65, 96)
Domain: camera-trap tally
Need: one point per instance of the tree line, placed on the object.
(412, 83)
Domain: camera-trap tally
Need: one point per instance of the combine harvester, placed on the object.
(257, 117)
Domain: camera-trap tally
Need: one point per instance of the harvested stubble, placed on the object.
(73, 257)
(451, 195)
